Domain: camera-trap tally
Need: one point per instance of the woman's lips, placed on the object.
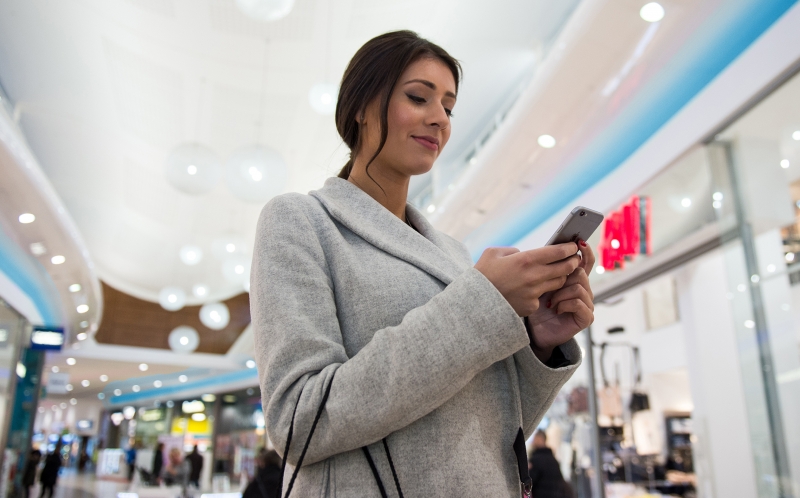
(427, 143)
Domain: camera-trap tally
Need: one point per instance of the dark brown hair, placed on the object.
(373, 72)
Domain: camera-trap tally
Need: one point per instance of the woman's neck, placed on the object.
(389, 188)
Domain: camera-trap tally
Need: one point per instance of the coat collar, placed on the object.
(367, 218)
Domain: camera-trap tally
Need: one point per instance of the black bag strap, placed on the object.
(308, 440)
(522, 463)
(372, 466)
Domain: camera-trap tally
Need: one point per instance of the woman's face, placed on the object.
(419, 119)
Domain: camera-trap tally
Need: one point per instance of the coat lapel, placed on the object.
(368, 219)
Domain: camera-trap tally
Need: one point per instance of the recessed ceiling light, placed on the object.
(69, 387)
(104, 378)
(157, 383)
(57, 259)
(191, 169)
(75, 288)
(71, 361)
(135, 388)
(250, 364)
(143, 367)
(600, 270)
(27, 218)
(184, 340)
(230, 247)
(749, 324)
(54, 369)
(182, 378)
(63, 406)
(785, 163)
(82, 308)
(117, 392)
(547, 141)
(717, 196)
(771, 268)
(431, 208)
(652, 12)
(85, 383)
(790, 256)
(717, 204)
(198, 417)
(82, 336)
(686, 202)
(191, 255)
(170, 404)
(239, 269)
(796, 135)
(37, 249)
(101, 396)
(200, 290)
(84, 324)
(208, 398)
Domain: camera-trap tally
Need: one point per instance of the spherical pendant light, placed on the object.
(172, 298)
(256, 173)
(183, 339)
(265, 10)
(193, 169)
(215, 315)
(322, 98)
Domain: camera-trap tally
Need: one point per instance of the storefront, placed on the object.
(240, 434)
(692, 387)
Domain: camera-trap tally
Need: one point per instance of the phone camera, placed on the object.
(583, 213)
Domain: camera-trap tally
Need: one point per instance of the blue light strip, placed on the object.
(31, 277)
(175, 391)
(730, 30)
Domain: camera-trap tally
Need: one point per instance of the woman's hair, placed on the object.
(373, 72)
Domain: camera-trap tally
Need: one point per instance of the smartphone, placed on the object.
(579, 225)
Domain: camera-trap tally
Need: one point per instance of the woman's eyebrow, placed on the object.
(430, 85)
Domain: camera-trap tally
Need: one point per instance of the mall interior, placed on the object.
(140, 139)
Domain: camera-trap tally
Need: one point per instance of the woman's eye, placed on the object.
(418, 100)
(448, 112)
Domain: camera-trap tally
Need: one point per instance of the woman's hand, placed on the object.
(565, 312)
(523, 277)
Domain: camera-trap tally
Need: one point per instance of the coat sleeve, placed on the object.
(402, 374)
(539, 384)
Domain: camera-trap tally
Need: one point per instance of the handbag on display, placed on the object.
(639, 399)
(609, 399)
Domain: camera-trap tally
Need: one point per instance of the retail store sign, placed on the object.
(626, 233)
(57, 383)
(49, 338)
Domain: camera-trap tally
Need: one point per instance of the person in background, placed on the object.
(267, 481)
(130, 459)
(195, 466)
(158, 462)
(545, 472)
(29, 476)
(49, 475)
(176, 471)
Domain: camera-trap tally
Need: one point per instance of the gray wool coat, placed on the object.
(419, 346)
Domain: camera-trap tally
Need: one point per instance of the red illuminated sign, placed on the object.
(626, 233)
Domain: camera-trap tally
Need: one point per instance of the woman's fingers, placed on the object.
(582, 314)
(580, 277)
(587, 256)
(568, 293)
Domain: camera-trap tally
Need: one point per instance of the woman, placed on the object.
(415, 368)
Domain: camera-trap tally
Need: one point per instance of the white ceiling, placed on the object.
(106, 88)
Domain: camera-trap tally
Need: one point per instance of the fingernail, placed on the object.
(549, 303)
(583, 243)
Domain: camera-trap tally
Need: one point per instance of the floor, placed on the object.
(74, 485)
